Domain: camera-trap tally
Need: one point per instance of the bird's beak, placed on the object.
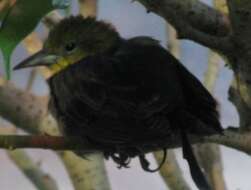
(38, 59)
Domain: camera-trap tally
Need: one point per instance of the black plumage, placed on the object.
(138, 94)
(131, 97)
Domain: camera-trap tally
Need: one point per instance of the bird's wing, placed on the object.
(140, 83)
(200, 103)
(143, 78)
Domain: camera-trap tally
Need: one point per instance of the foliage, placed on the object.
(19, 20)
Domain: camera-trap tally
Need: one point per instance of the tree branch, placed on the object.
(88, 8)
(51, 19)
(89, 173)
(194, 20)
(240, 16)
(209, 155)
(40, 179)
(171, 172)
(239, 59)
(238, 140)
(22, 108)
(59, 143)
(43, 141)
(231, 138)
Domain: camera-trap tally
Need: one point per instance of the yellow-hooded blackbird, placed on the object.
(125, 96)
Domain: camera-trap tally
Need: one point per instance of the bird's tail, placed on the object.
(196, 173)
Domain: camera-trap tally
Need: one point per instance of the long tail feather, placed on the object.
(196, 173)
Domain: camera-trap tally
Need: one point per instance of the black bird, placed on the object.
(125, 96)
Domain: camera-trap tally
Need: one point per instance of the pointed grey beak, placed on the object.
(38, 59)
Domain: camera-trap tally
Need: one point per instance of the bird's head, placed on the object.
(72, 40)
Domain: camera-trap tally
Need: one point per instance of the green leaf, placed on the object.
(21, 19)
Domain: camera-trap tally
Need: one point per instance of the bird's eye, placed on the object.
(70, 46)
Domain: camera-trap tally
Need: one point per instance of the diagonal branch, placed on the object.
(194, 20)
(238, 140)
(30, 169)
(209, 155)
(22, 108)
(171, 171)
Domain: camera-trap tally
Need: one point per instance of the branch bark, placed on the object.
(25, 110)
(89, 173)
(231, 138)
(240, 91)
(171, 172)
(240, 16)
(88, 8)
(52, 19)
(40, 179)
(194, 20)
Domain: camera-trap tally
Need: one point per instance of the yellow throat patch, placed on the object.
(61, 64)
(64, 62)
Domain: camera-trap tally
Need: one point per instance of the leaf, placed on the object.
(4, 6)
(21, 19)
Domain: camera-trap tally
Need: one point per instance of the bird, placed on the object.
(127, 97)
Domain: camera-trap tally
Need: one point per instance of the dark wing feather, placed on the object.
(200, 102)
(198, 105)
